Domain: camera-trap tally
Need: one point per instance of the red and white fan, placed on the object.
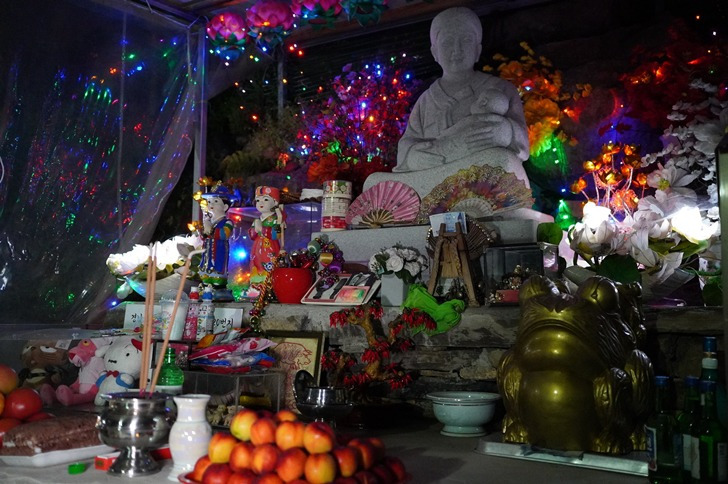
(387, 202)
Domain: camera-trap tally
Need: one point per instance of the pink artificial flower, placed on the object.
(270, 14)
(226, 25)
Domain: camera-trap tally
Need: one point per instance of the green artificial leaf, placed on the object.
(619, 268)
(549, 232)
(713, 292)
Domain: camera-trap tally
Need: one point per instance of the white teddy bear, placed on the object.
(123, 362)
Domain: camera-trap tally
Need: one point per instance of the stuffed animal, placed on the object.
(123, 364)
(88, 356)
(45, 362)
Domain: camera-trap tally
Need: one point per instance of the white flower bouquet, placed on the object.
(169, 257)
(404, 262)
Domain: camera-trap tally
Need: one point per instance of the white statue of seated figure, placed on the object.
(465, 118)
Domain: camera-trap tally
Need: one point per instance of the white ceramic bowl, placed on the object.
(463, 413)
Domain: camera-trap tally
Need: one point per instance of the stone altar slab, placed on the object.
(360, 244)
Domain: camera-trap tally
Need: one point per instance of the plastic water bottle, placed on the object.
(171, 377)
(206, 316)
(709, 372)
(193, 311)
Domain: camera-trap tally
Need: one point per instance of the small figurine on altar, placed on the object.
(217, 229)
(267, 233)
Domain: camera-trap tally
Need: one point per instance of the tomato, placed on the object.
(39, 416)
(21, 403)
(7, 424)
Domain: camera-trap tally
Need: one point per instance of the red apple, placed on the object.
(217, 474)
(366, 477)
(320, 468)
(396, 466)
(291, 464)
(348, 458)
(241, 456)
(380, 450)
(345, 480)
(318, 438)
(220, 447)
(8, 379)
(289, 434)
(269, 478)
(263, 431)
(384, 474)
(285, 415)
(246, 476)
(242, 422)
(368, 453)
(265, 458)
(266, 414)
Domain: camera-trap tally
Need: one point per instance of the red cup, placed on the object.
(291, 283)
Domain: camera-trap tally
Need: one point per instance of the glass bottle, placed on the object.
(687, 420)
(710, 440)
(171, 376)
(663, 439)
(709, 371)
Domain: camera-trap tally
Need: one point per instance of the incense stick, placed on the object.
(147, 338)
(146, 321)
(168, 334)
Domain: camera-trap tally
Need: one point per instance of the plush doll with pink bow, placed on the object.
(88, 356)
(123, 364)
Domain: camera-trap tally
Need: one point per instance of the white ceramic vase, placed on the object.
(393, 290)
(190, 435)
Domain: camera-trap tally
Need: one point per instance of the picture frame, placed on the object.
(349, 290)
(295, 351)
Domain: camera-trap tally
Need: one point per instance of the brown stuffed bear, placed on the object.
(45, 362)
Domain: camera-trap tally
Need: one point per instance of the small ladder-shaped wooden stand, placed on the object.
(451, 260)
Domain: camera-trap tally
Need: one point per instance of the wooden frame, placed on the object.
(297, 350)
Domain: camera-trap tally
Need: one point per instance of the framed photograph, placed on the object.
(349, 290)
(297, 350)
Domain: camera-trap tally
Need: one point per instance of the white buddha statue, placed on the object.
(464, 118)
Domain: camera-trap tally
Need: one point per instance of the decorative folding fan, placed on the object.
(479, 191)
(387, 202)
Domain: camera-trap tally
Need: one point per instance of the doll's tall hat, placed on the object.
(272, 192)
(221, 191)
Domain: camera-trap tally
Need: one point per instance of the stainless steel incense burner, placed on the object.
(135, 425)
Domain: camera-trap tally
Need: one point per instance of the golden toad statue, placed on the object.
(575, 379)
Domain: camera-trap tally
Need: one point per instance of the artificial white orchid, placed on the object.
(167, 253)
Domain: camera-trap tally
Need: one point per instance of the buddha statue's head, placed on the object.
(456, 35)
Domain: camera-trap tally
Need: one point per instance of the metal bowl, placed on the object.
(135, 425)
(325, 396)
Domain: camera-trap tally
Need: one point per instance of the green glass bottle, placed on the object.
(171, 377)
(710, 371)
(710, 440)
(687, 420)
(663, 439)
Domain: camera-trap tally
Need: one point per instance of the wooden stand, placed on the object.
(451, 260)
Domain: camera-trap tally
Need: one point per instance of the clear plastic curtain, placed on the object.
(96, 123)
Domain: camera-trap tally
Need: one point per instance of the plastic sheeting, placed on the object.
(96, 120)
